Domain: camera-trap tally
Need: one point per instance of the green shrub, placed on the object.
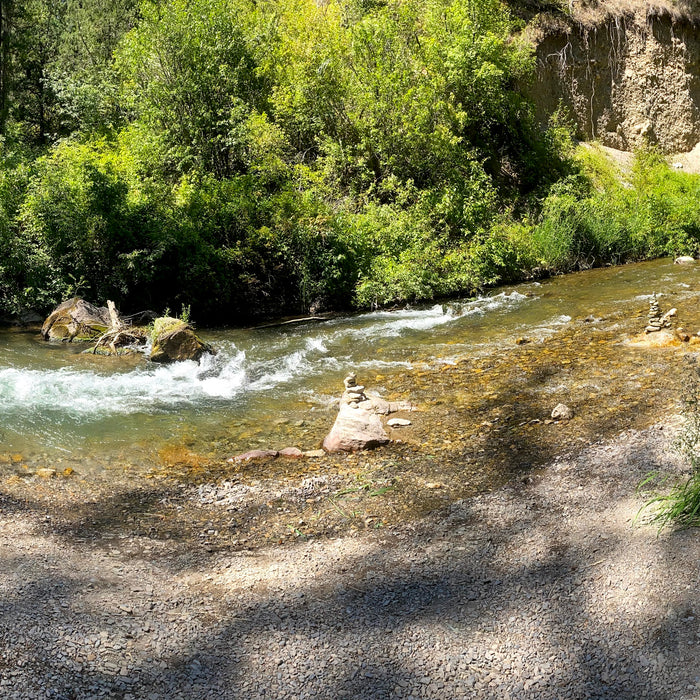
(680, 507)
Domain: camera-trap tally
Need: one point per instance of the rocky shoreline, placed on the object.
(407, 571)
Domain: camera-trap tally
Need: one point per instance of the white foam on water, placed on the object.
(394, 323)
(316, 344)
(84, 393)
(282, 362)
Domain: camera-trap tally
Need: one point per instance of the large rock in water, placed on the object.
(355, 428)
(76, 320)
(175, 340)
(358, 425)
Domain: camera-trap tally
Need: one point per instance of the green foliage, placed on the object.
(15, 250)
(76, 212)
(189, 74)
(597, 217)
(80, 73)
(245, 158)
(680, 507)
(163, 324)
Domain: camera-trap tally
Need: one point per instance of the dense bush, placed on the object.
(254, 158)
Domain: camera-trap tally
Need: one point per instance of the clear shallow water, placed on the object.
(275, 386)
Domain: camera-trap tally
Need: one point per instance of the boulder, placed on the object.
(356, 427)
(76, 320)
(684, 260)
(174, 340)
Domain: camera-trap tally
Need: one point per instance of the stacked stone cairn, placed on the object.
(656, 319)
(354, 393)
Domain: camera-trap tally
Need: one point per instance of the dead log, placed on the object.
(119, 334)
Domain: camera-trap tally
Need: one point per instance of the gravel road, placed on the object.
(542, 589)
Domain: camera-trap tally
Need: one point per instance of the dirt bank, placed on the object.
(627, 76)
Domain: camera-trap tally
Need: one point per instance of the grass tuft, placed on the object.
(680, 507)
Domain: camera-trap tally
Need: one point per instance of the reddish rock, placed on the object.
(293, 452)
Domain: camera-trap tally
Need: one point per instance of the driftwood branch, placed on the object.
(307, 319)
(119, 335)
(117, 323)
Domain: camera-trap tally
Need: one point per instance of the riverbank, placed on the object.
(544, 589)
(488, 552)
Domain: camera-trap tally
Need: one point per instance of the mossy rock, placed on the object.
(174, 340)
(76, 320)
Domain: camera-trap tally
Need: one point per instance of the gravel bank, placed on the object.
(544, 589)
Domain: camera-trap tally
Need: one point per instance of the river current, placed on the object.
(275, 386)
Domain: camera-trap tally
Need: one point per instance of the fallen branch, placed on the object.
(118, 335)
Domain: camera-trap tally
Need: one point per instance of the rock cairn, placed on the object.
(657, 320)
(354, 393)
(358, 425)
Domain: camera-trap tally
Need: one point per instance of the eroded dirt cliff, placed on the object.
(625, 79)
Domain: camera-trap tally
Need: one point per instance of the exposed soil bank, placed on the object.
(626, 79)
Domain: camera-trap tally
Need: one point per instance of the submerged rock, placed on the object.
(663, 339)
(314, 453)
(289, 452)
(175, 340)
(682, 335)
(255, 454)
(76, 320)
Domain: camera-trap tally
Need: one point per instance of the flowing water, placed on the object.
(275, 386)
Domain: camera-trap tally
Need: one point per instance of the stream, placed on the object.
(510, 355)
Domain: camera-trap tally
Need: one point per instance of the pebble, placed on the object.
(398, 422)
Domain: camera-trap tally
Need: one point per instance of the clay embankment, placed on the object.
(627, 78)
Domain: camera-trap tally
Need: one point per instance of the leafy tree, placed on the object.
(81, 73)
(191, 78)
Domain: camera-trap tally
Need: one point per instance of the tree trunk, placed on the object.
(5, 60)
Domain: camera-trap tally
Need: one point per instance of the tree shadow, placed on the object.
(460, 618)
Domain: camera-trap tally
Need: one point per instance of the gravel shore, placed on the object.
(542, 589)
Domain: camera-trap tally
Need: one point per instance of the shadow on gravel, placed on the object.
(455, 623)
(460, 635)
(464, 618)
(139, 511)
